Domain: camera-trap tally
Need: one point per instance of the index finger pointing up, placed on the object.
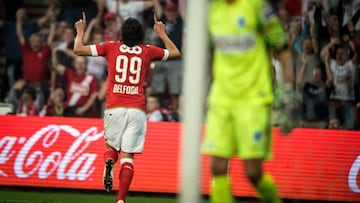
(84, 17)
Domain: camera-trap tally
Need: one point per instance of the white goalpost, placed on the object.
(195, 65)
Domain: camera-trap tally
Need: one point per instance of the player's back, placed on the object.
(241, 63)
(127, 71)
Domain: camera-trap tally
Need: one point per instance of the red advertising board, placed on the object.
(67, 153)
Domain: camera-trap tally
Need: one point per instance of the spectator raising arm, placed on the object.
(51, 35)
(93, 23)
(326, 49)
(158, 9)
(352, 47)
(19, 21)
(329, 74)
(50, 40)
(300, 73)
(100, 6)
(58, 68)
(148, 4)
(49, 15)
(314, 38)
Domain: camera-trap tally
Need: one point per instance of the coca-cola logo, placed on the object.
(353, 176)
(44, 153)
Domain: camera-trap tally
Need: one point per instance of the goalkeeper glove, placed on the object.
(287, 112)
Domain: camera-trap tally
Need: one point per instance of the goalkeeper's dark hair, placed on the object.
(132, 32)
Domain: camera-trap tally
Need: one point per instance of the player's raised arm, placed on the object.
(159, 29)
(79, 47)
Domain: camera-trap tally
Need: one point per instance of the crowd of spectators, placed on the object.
(324, 38)
(45, 77)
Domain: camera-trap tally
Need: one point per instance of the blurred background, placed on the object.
(36, 39)
(31, 83)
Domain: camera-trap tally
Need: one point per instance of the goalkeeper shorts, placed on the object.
(244, 132)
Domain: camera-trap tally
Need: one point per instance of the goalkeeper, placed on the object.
(244, 34)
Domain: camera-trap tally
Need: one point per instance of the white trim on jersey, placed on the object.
(93, 50)
(76, 96)
(166, 55)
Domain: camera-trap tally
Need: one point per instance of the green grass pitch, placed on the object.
(48, 195)
(53, 196)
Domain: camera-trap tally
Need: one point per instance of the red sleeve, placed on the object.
(158, 53)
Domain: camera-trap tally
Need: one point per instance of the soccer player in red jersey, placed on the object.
(124, 118)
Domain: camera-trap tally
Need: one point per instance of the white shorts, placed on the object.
(125, 129)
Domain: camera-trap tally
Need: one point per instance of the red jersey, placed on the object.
(29, 109)
(127, 71)
(79, 87)
(35, 64)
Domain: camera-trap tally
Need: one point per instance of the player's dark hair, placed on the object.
(132, 32)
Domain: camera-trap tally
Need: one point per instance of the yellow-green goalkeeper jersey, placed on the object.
(243, 33)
